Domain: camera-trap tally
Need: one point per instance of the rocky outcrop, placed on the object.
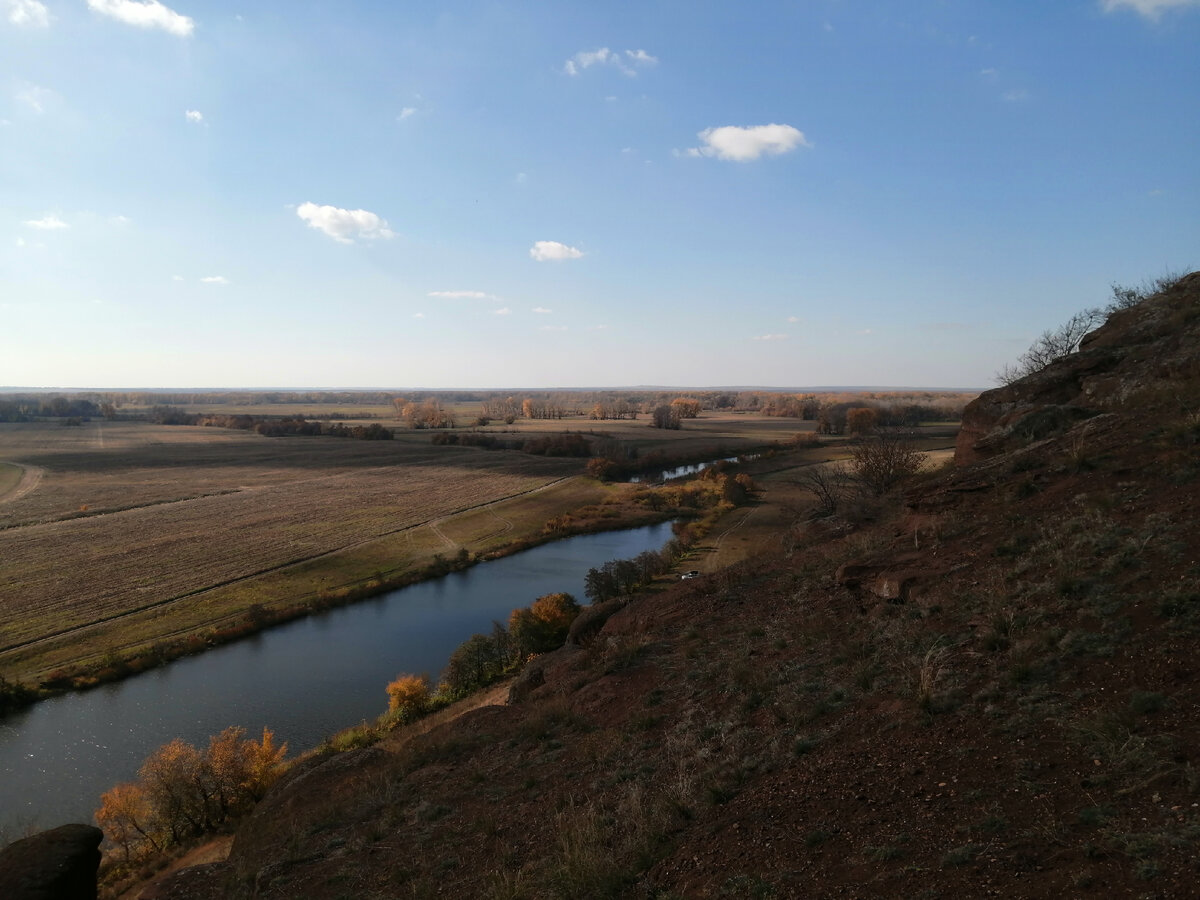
(1147, 344)
(60, 864)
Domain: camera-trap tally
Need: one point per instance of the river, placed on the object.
(305, 680)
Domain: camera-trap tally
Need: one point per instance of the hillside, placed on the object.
(984, 688)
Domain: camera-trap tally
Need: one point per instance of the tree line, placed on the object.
(169, 415)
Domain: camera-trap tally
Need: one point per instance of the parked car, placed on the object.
(686, 575)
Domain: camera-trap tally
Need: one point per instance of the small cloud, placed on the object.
(20, 242)
(626, 149)
(462, 295)
(989, 74)
(866, 331)
(344, 225)
(544, 251)
(628, 63)
(1150, 9)
(597, 328)
(771, 337)
(194, 115)
(541, 310)
(144, 14)
(1157, 192)
(418, 315)
(47, 223)
(28, 13)
(120, 220)
(793, 319)
(521, 178)
(503, 311)
(34, 97)
(214, 279)
(585, 59)
(732, 142)
(1017, 96)
(406, 113)
(177, 278)
(828, 26)
(552, 328)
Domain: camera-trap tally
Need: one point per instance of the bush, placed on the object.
(408, 695)
(882, 462)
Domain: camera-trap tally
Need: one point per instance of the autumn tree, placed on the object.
(665, 416)
(182, 791)
(860, 420)
(408, 695)
(687, 407)
(884, 461)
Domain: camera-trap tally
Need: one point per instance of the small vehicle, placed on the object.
(686, 575)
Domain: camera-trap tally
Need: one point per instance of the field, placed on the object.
(118, 535)
(131, 517)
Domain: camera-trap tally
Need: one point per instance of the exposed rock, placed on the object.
(60, 864)
(1135, 348)
(589, 622)
(531, 678)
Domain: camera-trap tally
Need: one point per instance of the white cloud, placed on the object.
(194, 115)
(552, 328)
(597, 328)
(28, 12)
(406, 112)
(585, 59)
(744, 144)
(1151, 9)
(504, 311)
(988, 73)
(36, 98)
(20, 242)
(215, 279)
(541, 310)
(144, 14)
(344, 225)
(418, 315)
(47, 223)
(793, 319)
(544, 251)
(628, 63)
(1016, 96)
(771, 337)
(521, 178)
(177, 278)
(462, 295)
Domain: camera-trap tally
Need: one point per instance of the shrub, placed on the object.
(884, 461)
(408, 695)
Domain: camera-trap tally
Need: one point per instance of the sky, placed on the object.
(494, 194)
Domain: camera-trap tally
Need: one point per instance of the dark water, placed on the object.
(305, 680)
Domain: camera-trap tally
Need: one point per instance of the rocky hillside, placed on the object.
(987, 687)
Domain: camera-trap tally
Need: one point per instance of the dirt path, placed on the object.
(31, 477)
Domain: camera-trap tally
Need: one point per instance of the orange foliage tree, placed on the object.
(408, 695)
(182, 791)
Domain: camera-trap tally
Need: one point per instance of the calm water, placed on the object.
(306, 680)
(683, 471)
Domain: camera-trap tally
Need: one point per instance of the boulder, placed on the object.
(60, 864)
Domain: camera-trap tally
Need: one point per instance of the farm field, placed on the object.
(128, 516)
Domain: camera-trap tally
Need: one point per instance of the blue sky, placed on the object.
(502, 194)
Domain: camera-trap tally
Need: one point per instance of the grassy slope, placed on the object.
(1023, 724)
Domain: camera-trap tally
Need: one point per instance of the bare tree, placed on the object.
(881, 462)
